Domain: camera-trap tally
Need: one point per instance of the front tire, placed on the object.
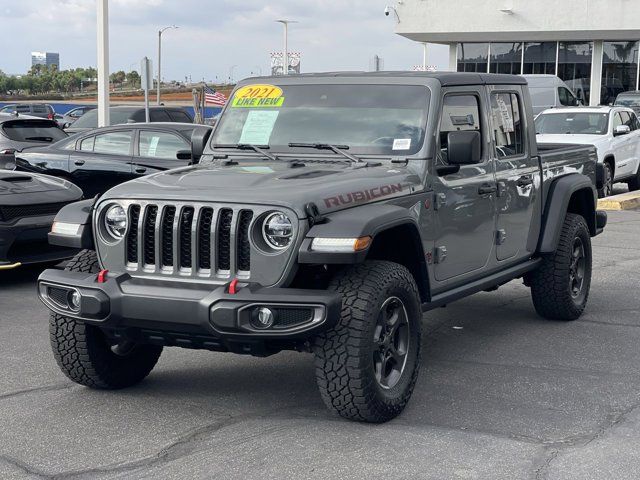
(367, 365)
(560, 286)
(85, 354)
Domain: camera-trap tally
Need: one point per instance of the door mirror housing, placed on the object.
(621, 130)
(199, 139)
(183, 154)
(465, 147)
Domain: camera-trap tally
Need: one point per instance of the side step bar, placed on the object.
(492, 281)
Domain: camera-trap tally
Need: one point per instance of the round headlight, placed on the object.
(115, 222)
(277, 230)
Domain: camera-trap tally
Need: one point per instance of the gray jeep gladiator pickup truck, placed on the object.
(326, 214)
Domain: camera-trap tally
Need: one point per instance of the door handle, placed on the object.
(140, 170)
(487, 189)
(524, 181)
(79, 162)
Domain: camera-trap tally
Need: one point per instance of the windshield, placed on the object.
(90, 119)
(369, 119)
(572, 123)
(628, 101)
(33, 131)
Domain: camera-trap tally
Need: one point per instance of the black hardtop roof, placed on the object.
(446, 79)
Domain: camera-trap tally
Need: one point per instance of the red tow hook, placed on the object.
(102, 276)
(233, 287)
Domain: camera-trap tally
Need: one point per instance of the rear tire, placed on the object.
(607, 182)
(84, 353)
(560, 286)
(367, 365)
(634, 183)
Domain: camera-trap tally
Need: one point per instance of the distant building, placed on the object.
(590, 44)
(45, 58)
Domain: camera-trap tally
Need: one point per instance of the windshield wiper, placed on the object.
(339, 149)
(247, 146)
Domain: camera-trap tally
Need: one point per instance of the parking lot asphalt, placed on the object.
(503, 394)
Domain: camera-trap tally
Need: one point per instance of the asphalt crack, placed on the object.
(46, 388)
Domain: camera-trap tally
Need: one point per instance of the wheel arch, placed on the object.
(569, 194)
(611, 160)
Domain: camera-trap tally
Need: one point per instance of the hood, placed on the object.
(330, 186)
(574, 139)
(16, 183)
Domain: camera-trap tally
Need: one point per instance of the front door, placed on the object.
(464, 201)
(517, 173)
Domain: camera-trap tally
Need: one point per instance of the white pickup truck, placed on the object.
(614, 131)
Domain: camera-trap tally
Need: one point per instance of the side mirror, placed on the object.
(465, 147)
(199, 139)
(621, 130)
(66, 125)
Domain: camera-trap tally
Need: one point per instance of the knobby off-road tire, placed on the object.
(83, 352)
(560, 286)
(365, 367)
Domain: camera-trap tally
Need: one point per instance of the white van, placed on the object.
(548, 91)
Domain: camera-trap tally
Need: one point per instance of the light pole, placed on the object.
(103, 62)
(285, 53)
(160, 32)
(233, 67)
(424, 56)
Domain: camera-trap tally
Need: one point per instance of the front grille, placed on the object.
(189, 240)
(8, 213)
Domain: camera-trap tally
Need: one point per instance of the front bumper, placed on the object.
(24, 241)
(178, 310)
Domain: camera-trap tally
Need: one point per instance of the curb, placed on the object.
(624, 201)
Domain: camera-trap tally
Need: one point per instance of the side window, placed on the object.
(114, 143)
(627, 120)
(22, 109)
(617, 120)
(179, 116)
(508, 131)
(635, 121)
(566, 97)
(161, 144)
(459, 113)
(40, 109)
(156, 115)
(86, 144)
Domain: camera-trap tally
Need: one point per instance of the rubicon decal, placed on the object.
(362, 196)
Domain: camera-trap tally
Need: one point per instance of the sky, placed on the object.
(216, 39)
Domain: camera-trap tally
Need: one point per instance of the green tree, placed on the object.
(133, 79)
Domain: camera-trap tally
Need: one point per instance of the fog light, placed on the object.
(74, 300)
(263, 318)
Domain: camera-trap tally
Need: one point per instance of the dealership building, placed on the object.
(591, 44)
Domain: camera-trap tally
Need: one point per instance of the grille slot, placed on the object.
(244, 248)
(194, 240)
(168, 217)
(186, 219)
(149, 235)
(132, 236)
(224, 239)
(204, 238)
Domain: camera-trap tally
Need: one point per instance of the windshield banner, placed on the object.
(256, 96)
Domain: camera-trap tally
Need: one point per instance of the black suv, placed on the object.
(130, 114)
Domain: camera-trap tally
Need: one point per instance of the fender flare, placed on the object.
(558, 200)
(367, 220)
(77, 213)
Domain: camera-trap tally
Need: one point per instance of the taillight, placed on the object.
(8, 151)
(50, 116)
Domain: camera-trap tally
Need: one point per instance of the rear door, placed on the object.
(156, 151)
(517, 173)
(102, 161)
(465, 201)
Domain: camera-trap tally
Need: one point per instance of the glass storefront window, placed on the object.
(473, 57)
(619, 70)
(540, 58)
(574, 67)
(506, 58)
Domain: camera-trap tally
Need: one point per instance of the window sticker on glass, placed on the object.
(402, 144)
(258, 96)
(153, 146)
(258, 127)
(505, 113)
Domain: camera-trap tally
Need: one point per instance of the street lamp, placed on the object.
(285, 54)
(233, 67)
(160, 32)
